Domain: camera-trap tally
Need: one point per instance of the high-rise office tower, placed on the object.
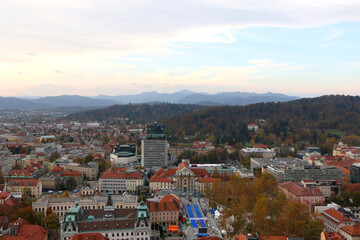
(154, 148)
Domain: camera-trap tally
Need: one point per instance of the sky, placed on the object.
(115, 47)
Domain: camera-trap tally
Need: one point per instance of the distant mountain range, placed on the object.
(180, 97)
(189, 97)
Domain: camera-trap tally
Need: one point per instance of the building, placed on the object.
(154, 148)
(59, 206)
(121, 179)
(21, 229)
(183, 177)
(89, 236)
(166, 211)
(351, 232)
(110, 222)
(253, 127)
(89, 171)
(334, 220)
(328, 188)
(355, 173)
(306, 196)
(204, 184)
(19, 185)
(123, 154)
(157, 182)
(263, 152)
(50, 181)
(66, 175)
(297, 174)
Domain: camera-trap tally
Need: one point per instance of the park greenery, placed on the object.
(258, 206)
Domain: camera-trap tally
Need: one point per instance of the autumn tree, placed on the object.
(52, 223)
(54, 155)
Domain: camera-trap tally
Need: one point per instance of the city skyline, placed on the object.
(88, 48)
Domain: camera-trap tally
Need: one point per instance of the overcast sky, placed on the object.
(298, 47)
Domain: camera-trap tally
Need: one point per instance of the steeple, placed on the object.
(142, 215)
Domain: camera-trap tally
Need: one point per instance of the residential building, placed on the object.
(50, 181)
(19, 185)
(21, 229)
(253, 127)
(328, 188)
(166, 211)
(263, 152)
(121, 179)
(295, 191)
(204, 184)
(110, 222)
(334, 220)
(157, 182)
(350, 232)
(67, 174)
(154, 148)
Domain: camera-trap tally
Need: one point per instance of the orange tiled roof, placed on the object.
(167, 203)
(333, 236)
(352, 230)
(57, 169)
(335, 216)
(207, 180)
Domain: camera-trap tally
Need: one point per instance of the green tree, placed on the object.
(52, 224)
(28, 199)
(142, 197)
(71, 183)
(89, 158)
(54, 155)
(1, 178)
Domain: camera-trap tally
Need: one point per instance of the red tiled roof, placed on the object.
(121, 173)
(200, 172)
(167, 203)
(335, 216)
(4, 195)
(207, 180)
(71, 174)
(272, 238)
(35, 232)
(89, 236)
(160, 179)
(352, 230)
(19, 172)
(23, 182)
(297, 190)
(57, 169)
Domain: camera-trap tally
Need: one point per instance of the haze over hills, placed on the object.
(140, 113)
(180, 97)
(190, 97)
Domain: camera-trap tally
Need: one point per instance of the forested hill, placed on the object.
(309, 119)
(140, 113)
